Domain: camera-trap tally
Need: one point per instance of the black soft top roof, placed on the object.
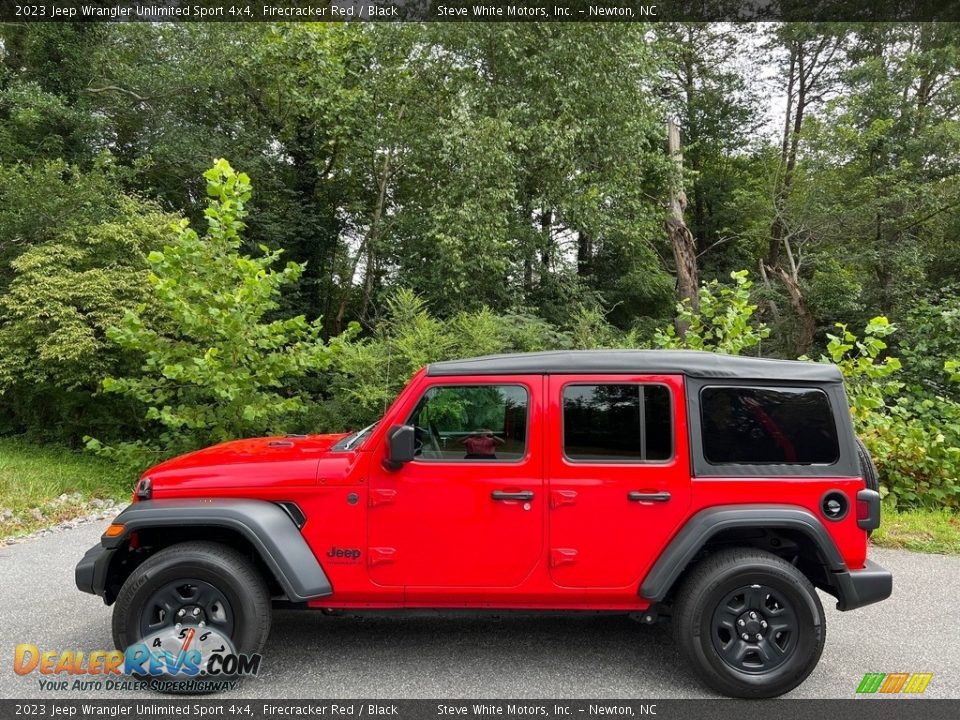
(692, 363)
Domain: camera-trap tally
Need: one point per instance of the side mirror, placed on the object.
(400, 446)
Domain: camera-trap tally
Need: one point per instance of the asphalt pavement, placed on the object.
(311, 655)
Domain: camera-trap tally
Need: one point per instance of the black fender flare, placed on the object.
(705, 524)
(268, 528)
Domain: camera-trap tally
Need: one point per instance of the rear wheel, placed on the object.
(750, 623)
(867, 469)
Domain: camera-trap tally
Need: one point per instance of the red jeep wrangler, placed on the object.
(718, 491)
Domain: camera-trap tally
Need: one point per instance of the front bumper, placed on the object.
(856, 588)
(91, 572)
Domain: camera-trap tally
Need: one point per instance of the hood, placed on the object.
(252, 450)
(267, 461)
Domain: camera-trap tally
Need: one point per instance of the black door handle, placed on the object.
(648, 496)
(504, 495)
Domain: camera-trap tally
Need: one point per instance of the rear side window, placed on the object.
(751, 426)
(626, 422)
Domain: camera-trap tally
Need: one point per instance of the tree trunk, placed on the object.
(681, 239)
(694, 197)
(584, 254)
(788, 159)
(771, 305)
(546, 241)
(366, 248)
(807, 325)
(797, 99)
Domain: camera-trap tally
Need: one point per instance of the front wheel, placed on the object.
(203, 591)
(750, 623)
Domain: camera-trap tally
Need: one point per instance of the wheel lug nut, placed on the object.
(753, 616)
(759, 636)
(745, 636)
(202, 624)
(181, 612)
(196, 611)
(741, 623)
(763, 624)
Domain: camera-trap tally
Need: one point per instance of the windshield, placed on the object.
(351, 441)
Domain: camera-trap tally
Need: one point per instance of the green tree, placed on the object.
(67, 292)
(46, 111)
(73, 263)
(370, 372)
(487, 176)
(214, 367)
(43, 200)
(719, 116)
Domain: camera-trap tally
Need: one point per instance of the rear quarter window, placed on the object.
(760, 425)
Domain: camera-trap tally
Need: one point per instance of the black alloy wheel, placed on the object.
(749, 622)
(187, 602)
(755, 629)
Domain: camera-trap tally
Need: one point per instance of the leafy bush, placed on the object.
(869, 379)
(913, 439)
(72, 260)
(931, 336)
(213, 368)
(67, 292)
(723, 323)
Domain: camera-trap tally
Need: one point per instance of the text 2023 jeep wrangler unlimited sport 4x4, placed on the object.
(717, 490)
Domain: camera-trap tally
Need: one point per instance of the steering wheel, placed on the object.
(429, 435)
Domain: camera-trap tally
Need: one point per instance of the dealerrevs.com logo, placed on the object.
(172, 660)
(894, 683)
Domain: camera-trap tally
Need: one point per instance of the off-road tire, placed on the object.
(219, 565)
(867, 468)
(702, 596)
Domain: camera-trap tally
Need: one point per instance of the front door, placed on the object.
(618, 474)
(468, 511)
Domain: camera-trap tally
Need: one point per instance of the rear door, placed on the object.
(618, 475)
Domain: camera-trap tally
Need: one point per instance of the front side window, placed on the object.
(617, 422)
(744, 425)
(471, 423)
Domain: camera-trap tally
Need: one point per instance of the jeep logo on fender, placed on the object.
(345, 555)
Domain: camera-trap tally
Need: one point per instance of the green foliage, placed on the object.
(512, 176)
(43, 110)
(868, 377)
(724, 322)
(373, 370)
(68, 291)
(952, 368)
(834, 291)
(930, 346)
(914, 440)
(72, 261)
(213, 368)
(45, 200)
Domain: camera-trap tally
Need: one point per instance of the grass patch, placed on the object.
(43, 485)
(931, 531)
